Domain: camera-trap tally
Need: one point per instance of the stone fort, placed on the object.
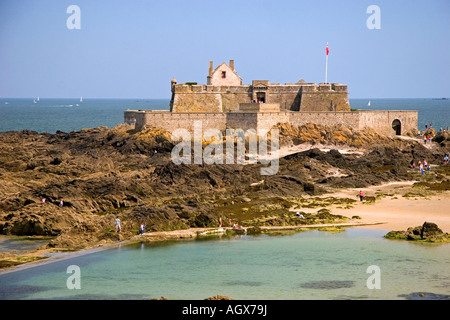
(224, 102)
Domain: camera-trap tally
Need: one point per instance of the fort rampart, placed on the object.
(290, 96)
(386, 122)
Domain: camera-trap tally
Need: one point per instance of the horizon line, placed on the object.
(168, 98)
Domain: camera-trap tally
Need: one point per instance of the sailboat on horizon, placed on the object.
(81, 99)
(368, 104)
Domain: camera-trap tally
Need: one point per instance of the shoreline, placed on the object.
(191, 234)
(392, 212)
(399, 212)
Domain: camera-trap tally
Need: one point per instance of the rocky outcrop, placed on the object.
(103, 173)
(443, 138)
(331, 135)
(428, 232)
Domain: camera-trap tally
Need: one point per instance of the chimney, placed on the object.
(232, 64)
(210, 68)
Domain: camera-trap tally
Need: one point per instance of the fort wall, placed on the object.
(347, 119)
(381, 121)
(292, 97)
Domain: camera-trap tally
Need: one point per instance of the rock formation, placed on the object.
(103, 173)
(428, 232)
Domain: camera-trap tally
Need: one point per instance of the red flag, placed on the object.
(328, 51)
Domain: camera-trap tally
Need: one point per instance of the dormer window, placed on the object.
(224, 74)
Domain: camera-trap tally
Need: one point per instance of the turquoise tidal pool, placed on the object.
(306, 265)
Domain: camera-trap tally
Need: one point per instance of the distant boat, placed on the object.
(368, 104)
(37, 99)
(6, 102)
(81, 99)
(34, 101)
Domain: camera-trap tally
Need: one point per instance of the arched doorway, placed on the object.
(397, 127)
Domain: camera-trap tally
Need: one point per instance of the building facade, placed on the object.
(224, 92)
(224, 102)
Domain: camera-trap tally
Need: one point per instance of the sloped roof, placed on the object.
(223, 63)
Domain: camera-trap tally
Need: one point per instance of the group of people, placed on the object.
(235, 226)
(426, 138)
(422, 166)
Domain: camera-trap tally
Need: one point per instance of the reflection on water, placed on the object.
(307, 265)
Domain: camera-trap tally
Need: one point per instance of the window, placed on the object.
(224, 74)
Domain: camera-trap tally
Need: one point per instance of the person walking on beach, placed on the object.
(117, 222)
(361, 195)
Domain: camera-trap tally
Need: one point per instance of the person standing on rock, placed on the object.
(220, 222)
(118, 228)
(61, 203)
(142, 228)
(361, 195)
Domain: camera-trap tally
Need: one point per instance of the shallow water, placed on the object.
(21, 244)
(307, 265)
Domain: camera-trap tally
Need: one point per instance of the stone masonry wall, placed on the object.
(292, 97)
(348, 119)
(381, 121)
(325, 97)
(203, 98)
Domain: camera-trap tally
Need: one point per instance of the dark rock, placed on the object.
(430, 229)
(429, 232)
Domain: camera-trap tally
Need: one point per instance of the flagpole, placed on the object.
(326, 70)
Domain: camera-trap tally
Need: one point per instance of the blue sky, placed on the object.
(132, 49)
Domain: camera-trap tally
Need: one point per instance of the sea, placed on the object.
(355, 264)
(66, 115)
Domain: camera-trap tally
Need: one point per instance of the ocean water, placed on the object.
(50, 115)
(308, 265)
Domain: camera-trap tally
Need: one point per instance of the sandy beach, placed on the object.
(396, 211)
